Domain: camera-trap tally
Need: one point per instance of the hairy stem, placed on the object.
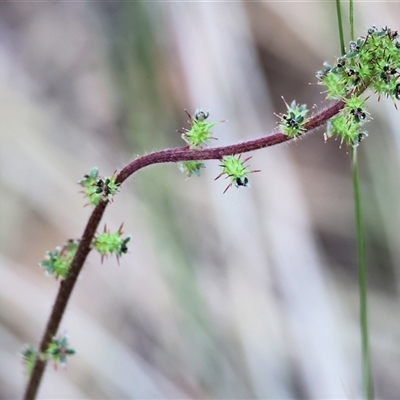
(216, 153)
(170, 155)
(64, 293)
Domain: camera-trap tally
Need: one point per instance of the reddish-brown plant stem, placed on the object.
(216, 153)
(64, 293)
(170, 155)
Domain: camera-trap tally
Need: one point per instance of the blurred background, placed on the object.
(248, 294)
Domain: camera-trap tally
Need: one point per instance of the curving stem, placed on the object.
(170, 155)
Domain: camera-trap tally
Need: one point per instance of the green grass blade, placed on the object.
(362, 282)
(340, 25)
(351, 16)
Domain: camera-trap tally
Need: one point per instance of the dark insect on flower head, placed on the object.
(387, 73)
(341, 62)
(360, 137)
(241, 181)
(323, 73)
(291, 121)
(354, 75)
(200, 115)
(200, 130)
(397, 91)
(353, 46)
(235, 170)
(359, 114)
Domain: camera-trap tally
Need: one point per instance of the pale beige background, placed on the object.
(251, 294)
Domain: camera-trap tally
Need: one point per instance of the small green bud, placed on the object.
(293, 121)
(98, 188)
(191, 167)
(200, 130)
(57, 262)
(29, 355)
(235, 170)
(58, 350)
(108, 243)
(336, 89)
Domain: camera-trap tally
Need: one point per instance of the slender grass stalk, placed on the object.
(362, 282)
(340, 27)
(351, 18)
(362, 270)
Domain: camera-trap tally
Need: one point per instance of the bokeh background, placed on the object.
(250, 294)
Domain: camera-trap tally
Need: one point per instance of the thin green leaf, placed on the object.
(362, 282)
